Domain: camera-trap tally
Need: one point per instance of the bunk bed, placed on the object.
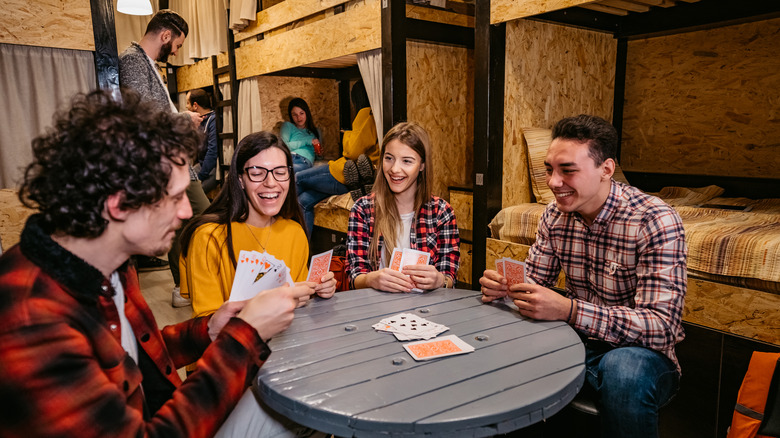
(542, 61)
(427, 53)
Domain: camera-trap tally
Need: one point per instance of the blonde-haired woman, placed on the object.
(402, 213)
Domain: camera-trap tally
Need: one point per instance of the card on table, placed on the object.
(319, 266)
(407, 326)
(440, 347)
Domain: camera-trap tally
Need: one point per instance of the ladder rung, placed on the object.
(222, 70)
(223, 103)
(226, 136)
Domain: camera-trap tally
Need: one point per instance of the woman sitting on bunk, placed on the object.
(318, 183)
(301, 136)
(257, 209)
(402, 213)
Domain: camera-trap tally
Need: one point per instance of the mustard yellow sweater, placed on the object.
(360, 140)
(207, 272)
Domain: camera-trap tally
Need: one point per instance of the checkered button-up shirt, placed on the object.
(435, 231)
(627, 270)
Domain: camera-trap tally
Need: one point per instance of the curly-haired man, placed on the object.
(80, 352)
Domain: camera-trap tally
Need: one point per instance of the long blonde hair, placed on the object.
(387, 219)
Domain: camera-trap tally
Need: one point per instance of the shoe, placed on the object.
(352, 180)
(146, 264)
(177, 300)
(366, 172)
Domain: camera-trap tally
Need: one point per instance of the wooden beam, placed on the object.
(629, 6)
(489, 60)
(106, 56)
(502, 11)
(606, 9)
(393, 63)
(284, 13)
(439, 33)
(350, 32)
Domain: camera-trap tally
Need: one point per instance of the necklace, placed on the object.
(256, 239)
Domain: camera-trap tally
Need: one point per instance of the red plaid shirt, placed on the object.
(64, 373)
(627, 270)
(435, 231)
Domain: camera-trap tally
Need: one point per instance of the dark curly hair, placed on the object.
(600, 135)
(98, 147)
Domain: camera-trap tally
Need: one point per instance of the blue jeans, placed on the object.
(633, 383)
(313, 186)
(300, 163)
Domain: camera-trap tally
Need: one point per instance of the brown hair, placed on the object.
(387, 219)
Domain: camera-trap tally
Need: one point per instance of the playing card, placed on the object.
(500, 267)
(514, 272)
(319, 266)
(256, 272)
(407, 326)
(395, 260)
(414, 257)
(441, 347)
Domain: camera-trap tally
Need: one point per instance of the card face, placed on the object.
(440, 347)
(395, 260)
(408, 326)
(319, 266)
(514, 272)
(256, 272)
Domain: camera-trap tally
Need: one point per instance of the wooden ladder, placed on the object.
(222, 161)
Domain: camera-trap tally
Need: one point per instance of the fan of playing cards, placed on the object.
(258, 271)
(514, 272)
(406, 327)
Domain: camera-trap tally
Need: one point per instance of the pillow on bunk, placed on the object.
(538, 141)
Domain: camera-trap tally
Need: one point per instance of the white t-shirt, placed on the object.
(128, 336)
(403, 236)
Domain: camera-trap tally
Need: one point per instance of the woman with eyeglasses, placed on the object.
(257, 209)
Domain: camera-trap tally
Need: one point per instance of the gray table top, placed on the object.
(331, 371)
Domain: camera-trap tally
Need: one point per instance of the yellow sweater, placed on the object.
(360, 140)
(207, 273)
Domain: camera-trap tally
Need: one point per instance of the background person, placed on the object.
(257, 209)
(300, 135)
(318, 183)
(624, 256)
(80, 351)
(164, 36)
(402, 213)
(199, 101)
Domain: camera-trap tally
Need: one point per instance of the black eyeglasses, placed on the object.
(259, 174)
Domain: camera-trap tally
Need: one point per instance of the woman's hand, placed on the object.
(327, 287)
(389, 280)
(425, 277)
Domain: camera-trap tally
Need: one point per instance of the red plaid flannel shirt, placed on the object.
(627, 270)
(64, 373)
(435, 231)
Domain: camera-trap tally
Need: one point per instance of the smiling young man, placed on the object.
(80, 351)
(624, 256)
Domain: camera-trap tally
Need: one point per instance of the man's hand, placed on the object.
(327, 287)
(271, 311)
(493, 286)
(541, 303)
(389, 280)
(425, 277)
(227, 310)
(195, 117)
(305, 300)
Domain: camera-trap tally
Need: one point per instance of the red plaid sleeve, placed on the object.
(359, 231)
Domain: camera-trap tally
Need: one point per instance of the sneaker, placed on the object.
(146, 264)
(177, 300)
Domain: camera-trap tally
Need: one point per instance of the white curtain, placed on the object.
(130, 28)
(370, 65)
(34, 83)
(249, 116)
(242, 12)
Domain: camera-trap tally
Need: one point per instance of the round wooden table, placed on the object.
(333, 372)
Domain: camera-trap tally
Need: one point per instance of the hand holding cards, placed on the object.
(319, 266)
(406, 257)
(258, 271)
(514, 272)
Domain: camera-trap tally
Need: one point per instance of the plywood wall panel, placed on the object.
(353, 31)
(506, 10)
(199, 74)
(63, 24)
(321, 95)
(705, 103)
(440, 97)
(439, 16)
(284, 13)
(552, 72)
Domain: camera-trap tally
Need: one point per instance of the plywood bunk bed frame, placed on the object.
(594, 67)
(427, 65)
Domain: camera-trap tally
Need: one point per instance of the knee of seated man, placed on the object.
(633, 369)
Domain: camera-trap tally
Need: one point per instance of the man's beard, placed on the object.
(165, 52)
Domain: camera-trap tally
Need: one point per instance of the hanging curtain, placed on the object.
(241, 13)
(34, 83)
(227, 126)
(370, 65)
(249, 116)
(130, 28)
